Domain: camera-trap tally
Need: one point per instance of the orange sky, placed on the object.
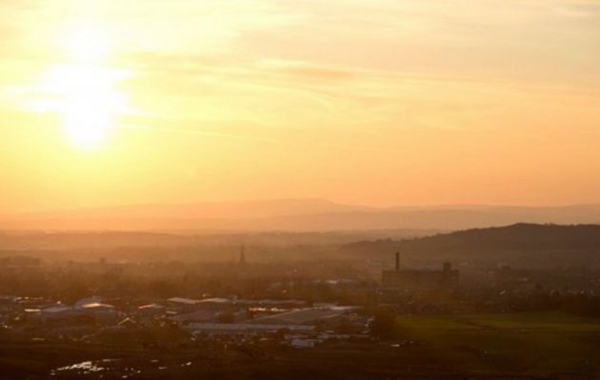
(372, 102)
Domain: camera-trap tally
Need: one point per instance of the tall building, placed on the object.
(420, 280)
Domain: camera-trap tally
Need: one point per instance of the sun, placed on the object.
(83, 89)
(87, 103)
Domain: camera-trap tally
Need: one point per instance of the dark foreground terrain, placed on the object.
(501, 346)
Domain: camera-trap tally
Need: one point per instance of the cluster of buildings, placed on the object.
(294, 321)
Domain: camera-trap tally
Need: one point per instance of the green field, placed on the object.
(534, 344)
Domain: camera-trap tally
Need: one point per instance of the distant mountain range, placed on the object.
(294, 215)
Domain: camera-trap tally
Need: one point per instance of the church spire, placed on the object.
(242, 255)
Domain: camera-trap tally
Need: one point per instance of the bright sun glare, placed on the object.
(84, 89)
(88, 102)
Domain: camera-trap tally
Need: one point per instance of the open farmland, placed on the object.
(543, 344)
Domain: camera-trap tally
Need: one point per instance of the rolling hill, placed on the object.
(525, 245)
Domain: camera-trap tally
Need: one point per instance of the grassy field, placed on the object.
(534, 344)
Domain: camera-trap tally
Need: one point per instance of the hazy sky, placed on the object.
(363, 101)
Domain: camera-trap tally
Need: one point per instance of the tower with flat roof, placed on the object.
(420, 281)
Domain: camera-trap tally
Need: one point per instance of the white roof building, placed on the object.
(57, 312)
(242, 328)
(99, 308)
(303, 316)
(183, 301)
(85, 301)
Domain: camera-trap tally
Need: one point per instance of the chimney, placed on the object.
(397, 261)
